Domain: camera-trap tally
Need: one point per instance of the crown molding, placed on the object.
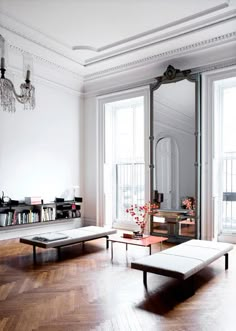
(146, 75)
(158, 29)
(45, 71)
(171, 31)
(39, 39)
(43, 60)
(192, 23)
(204, 44)
(215, 66)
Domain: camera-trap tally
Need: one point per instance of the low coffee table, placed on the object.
(146, 241)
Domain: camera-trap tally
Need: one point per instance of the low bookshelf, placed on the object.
(16, 214)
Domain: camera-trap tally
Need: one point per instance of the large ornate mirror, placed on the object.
(174, 154)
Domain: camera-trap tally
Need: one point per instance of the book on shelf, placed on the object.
(33, 210)
(48, 214)
(3, 219)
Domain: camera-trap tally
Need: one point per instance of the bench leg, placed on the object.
(226, 261)
(83, 245)
(145, 279)
(34, 254)
(59, 253)
(192, 284)
(187, 287)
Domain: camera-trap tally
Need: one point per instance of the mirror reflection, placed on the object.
(174, 143)
(175, 154)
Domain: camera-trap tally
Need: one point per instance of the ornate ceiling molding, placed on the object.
(204, 44)
(43, 60)
(165, 37)
(46, 71)
(196, 22)
(36, 37)
(153, 31)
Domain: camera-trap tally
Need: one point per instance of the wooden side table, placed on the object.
(146, 241)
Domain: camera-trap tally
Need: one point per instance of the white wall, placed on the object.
(41, 151)
(90, 161)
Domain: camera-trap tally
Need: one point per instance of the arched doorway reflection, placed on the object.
(167, 171)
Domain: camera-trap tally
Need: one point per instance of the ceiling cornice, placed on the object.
(187, 25)
(45, 61)
(155, 30)
(46, 71)
(168, 34)
(27, 33)
(200, 45)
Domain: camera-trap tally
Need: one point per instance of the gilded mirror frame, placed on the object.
(172, 75)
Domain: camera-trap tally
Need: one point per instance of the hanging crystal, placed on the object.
(7, 96)
(28, 96)
(8, 93)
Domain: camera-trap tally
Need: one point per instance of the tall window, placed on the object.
(225, 156)
(124, 158)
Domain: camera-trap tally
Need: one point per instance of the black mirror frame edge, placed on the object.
(172, 75)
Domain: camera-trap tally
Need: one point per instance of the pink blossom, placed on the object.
(139, 213)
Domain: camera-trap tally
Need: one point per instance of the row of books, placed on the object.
(48, 214)
(39, 213)
(13, 217)
(68, 213)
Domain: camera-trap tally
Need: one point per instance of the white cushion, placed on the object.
(183, 260)
(168, 265)
(73, 236)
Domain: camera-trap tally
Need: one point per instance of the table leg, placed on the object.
(111, 250)
(34, 253)
(107, 243)
(126, 246)
(150, 249)
(161, 246)
(226, 261)
(145, 279)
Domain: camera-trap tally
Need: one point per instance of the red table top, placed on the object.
(145, 241)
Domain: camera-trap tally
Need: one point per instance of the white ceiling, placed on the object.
(118, 31)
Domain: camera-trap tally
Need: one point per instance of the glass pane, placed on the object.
(124, 157)
(229, 159)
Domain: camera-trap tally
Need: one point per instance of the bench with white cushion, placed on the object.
(184, 260)
(67, 237)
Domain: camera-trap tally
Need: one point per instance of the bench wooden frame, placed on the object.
(74, 236)
(183, 261)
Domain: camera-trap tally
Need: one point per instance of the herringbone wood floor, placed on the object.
(85, 291)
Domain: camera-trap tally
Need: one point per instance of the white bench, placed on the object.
(184, 260)
(65, 238)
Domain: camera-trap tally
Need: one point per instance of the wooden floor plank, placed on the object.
(86, 291)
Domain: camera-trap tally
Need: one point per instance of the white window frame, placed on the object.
(101, 101)
(209, 230)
